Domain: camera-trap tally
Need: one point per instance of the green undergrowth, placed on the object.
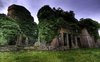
(76, 55)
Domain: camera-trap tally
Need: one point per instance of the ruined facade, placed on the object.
(68, 39)
(70, 32)
(61, 28)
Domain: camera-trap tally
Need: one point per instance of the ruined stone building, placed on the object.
(70, 34)
(68, 39)
(57, 29)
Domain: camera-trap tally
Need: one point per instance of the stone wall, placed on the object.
(16, 48)
(86, 40)
(8, 48)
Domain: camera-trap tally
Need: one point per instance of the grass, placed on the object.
(77, 55)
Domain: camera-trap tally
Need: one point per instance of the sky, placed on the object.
(81, 8)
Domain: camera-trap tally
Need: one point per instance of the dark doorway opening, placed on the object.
(74, 40)
(65, 40)
(23, 40)
(78, 41)
(69, 38)
(12, 41)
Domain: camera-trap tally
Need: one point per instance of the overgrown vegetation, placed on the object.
(21, 26)
(78, 55)
(9, 30)
(92, 27)
(52, 20)
(25, 21)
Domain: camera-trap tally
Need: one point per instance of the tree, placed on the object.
(25, 21)
(45, 12)
(47, 31)
(9, 30)
(51, 20)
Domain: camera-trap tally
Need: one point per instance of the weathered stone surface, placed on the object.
(8, 48)
(85, 39)
(97, 43)
(41, 46)
(55, 42)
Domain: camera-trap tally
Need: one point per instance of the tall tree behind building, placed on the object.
(25, 20)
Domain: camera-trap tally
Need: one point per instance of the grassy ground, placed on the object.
(78, 55)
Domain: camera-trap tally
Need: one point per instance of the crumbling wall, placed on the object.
(86, 40)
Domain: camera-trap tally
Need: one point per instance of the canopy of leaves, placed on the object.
(51, 20)
(91, 25)
(45, 12)
(24, 20)
(69, 17)
(47, 30)
(9, 30)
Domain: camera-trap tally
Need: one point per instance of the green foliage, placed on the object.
(69, 17)
(91, 25)
(52, 20)
(28, 28)
(45, 12)
(47, 30)
(25, 21)
(78, 55)
(9, 29)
